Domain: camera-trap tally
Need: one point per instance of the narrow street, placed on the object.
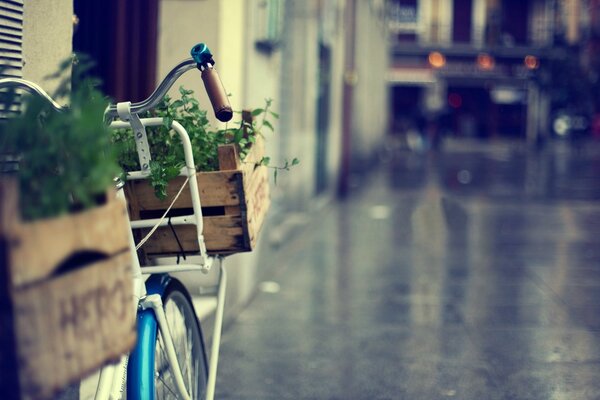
(473, 273)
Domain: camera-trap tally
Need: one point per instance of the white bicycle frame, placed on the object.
(112, 378)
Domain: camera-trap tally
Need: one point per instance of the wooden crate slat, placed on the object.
(258, 205)
(228, 157)
(258, 194)
(224, 232)
(220, 232)
(257, 178)
(37, 248)
(218, 188)
(255, 155)
(86, 317)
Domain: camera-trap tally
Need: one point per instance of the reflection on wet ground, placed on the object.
(468, 274)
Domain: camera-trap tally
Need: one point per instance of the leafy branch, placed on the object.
(166, 147)
(65, 161)
(265, 161)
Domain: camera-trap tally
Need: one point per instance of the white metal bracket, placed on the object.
(139, 133)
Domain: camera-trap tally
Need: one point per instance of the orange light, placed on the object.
(485, 61)
(532, 62)
(437, 59)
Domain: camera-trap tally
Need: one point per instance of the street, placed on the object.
(472, 273)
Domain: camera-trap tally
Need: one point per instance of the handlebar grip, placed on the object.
(216, 94)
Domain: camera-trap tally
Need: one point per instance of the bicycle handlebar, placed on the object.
(201, 59)
(32, 88)
(216, 94)
(159, 92)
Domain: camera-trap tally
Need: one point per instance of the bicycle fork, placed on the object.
(154, 302)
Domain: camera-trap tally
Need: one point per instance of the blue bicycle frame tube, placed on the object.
(140, 368)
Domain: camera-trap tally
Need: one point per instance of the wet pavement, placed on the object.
(468, 274)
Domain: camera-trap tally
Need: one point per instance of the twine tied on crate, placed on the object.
(145, 239)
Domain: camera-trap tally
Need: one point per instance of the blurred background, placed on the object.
(464, 135)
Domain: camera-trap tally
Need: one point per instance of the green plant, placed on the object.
(165, 144)
(65, 161)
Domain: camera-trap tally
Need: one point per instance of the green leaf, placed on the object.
(184, 91)
(275, 176)
(265, 161)
(274, 114)
(256, 112)
(177, 104)
(295, 161)
(268, 125)
(238, 136)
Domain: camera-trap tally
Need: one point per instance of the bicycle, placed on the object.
(169, 359)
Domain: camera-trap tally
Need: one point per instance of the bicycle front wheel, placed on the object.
(188, 343)
(150, 375)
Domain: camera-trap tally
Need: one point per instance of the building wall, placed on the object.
(336, 92)
(290, 76)
(298, 95)
(47, 38)
(370, 109)
(183, 24)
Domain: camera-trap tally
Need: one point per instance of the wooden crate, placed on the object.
(67, 298)
(234, 200)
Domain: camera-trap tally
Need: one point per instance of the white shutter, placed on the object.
(11, 58)
(11, 38)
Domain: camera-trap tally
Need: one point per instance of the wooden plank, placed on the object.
(220, 233)
(217, 189)
(258, 177)
(86, 317)
(228, 157)
(258, 205)
(37, 248)
(255, 155)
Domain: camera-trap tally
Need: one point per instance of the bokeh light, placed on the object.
(437, 59)
(485, 61)
(531, 62)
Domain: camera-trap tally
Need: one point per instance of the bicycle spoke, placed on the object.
(167, 386)
(162, 349)
(166, 362)
(188, 355)
(188, 352)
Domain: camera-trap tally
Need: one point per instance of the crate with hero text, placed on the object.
(234, 201)
(67, 301)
